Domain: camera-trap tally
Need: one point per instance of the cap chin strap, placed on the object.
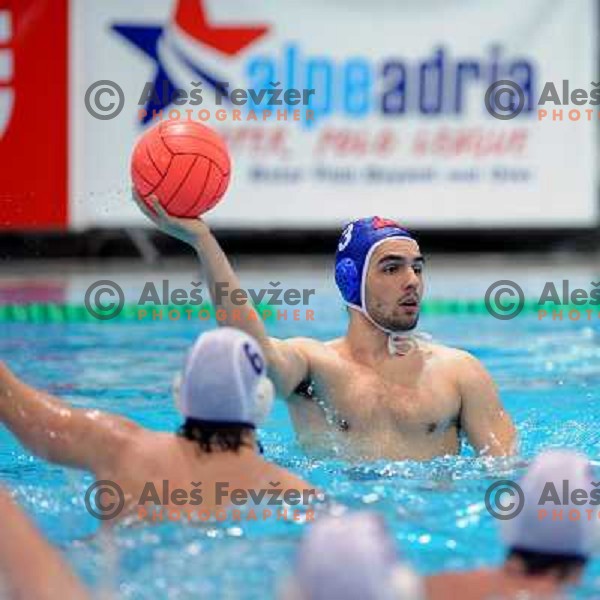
(400, 343)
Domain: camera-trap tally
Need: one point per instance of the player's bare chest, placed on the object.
(395, 394)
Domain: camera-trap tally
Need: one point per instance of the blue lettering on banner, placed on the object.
(357, 86)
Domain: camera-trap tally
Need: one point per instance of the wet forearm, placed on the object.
(222, 281)
(29, 566)
(36, 418)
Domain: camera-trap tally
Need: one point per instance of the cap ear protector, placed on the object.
(265, 395)
(265, 391)
(347, 279)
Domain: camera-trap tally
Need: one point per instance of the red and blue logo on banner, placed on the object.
(189, 17)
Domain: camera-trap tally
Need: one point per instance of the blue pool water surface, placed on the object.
(548, 375)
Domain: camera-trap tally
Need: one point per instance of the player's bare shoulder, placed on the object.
(441, 351)
(459, 365)
(463, 361)
(454, 360)
(311, 348)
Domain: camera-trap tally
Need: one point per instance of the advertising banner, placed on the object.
(439, 114)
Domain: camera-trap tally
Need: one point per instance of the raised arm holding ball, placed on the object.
(380, 391)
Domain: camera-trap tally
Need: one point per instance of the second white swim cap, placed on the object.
(569, 528)
(224, 379)
(350, 557)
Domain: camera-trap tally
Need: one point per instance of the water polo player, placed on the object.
(351, 556)
(550, 535)
(222, 396)
(380, 391)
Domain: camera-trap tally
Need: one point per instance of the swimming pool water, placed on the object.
(548, 374)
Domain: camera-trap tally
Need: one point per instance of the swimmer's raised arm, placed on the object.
(51, 429)
(487, 425)
(288, 363)
(29, 566)
(217, 269)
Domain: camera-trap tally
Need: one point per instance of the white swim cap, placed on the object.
(571, 528)
(224, 379)
(350, 557)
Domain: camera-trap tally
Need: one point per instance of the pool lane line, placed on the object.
(78, 313)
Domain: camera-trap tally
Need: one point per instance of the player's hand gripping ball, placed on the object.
(184, 164)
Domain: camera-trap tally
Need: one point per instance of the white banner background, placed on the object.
(547, 180)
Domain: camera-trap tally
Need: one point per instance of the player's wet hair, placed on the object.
(542, 563)
(218, 436)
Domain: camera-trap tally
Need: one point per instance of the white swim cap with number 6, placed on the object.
(224, 380)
